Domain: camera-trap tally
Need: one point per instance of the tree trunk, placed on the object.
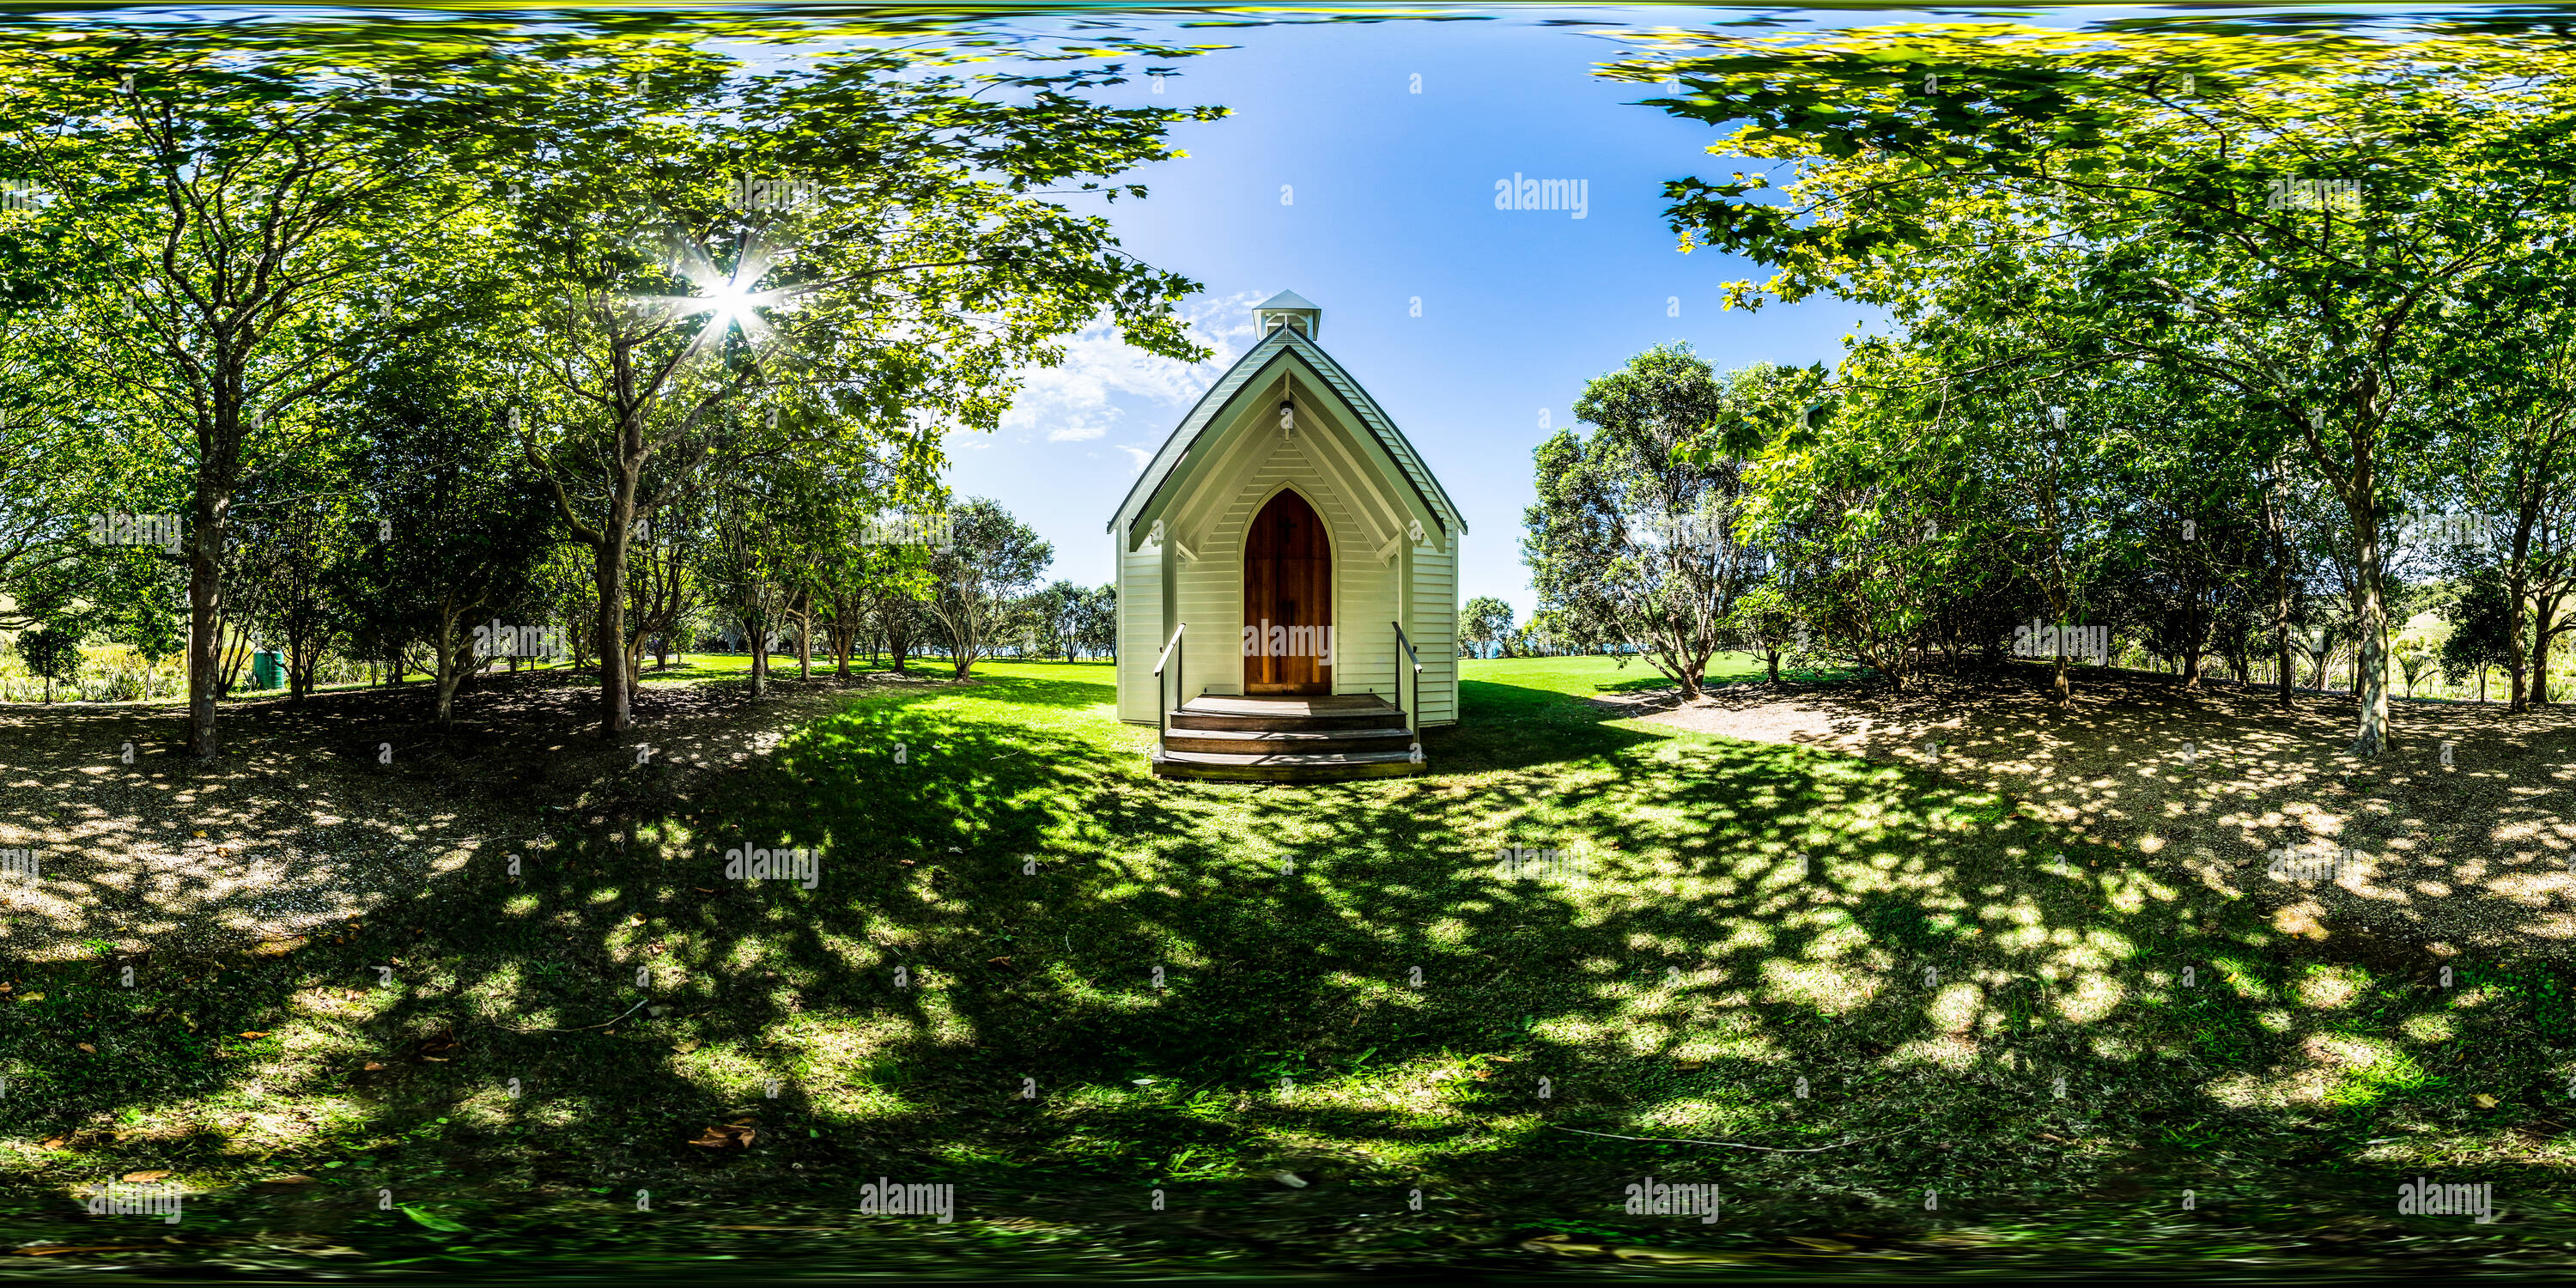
(2543, 627)
(805, 639)
(2371, 684)
(205, 624)
(2277, 577)
(450, 671)
(1772, 660)
(609, 569)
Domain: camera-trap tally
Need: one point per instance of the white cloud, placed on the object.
(1073, 400)
(1141, 455)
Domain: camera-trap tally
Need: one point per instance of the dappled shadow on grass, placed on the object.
(1683, 930)
(1503, 726)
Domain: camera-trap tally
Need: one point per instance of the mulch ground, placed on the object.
(2203, 785)
(315, 813)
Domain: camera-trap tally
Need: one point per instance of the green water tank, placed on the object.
(268, 670)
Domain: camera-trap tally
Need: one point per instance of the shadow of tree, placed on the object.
(1029, 969)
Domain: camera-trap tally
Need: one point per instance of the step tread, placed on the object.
(1286, 758)
(1373, 732)
(1320, 704)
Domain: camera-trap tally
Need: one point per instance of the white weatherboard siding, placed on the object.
(1226, 461)
(1140, 615)
(1435, 633)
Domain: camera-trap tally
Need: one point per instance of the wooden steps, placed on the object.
(1289, 739)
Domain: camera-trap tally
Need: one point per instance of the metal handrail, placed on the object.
(1162, 709)
(1407, 645)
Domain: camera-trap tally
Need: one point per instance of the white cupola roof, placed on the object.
(1288, 308)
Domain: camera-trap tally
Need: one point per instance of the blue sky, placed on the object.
(1392, 198)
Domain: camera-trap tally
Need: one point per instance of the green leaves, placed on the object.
(434, 1221)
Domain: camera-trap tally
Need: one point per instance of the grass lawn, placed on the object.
(1030, 970)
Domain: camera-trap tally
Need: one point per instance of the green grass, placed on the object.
(1742, 916)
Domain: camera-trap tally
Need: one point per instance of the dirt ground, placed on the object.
(2206, 785)
(314, 814)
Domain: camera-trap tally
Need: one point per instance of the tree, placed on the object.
(1764, 622)
(995, 557)
(2481, 630)
(1630, 542)
(220, 208)
(2281, 215)
(298, 531)
(765, 523)
(2414, 658)
(52, 654)
(1095, 622)
(464, 527)
(918, 272)
(1051, 611)
(1485, 620)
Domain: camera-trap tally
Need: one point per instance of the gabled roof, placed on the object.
(1252, 369)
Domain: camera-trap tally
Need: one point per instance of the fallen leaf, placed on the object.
(689, 1044)
(86, 1047)
(256, 1033)
(437, 1048)
(200, 835)
(736, 1136)
(1289, 1179)
(144, 1176)
(33, 997)
(2486, 1102)
(372, 1066)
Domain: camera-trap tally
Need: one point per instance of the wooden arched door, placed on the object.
(1287, 600)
